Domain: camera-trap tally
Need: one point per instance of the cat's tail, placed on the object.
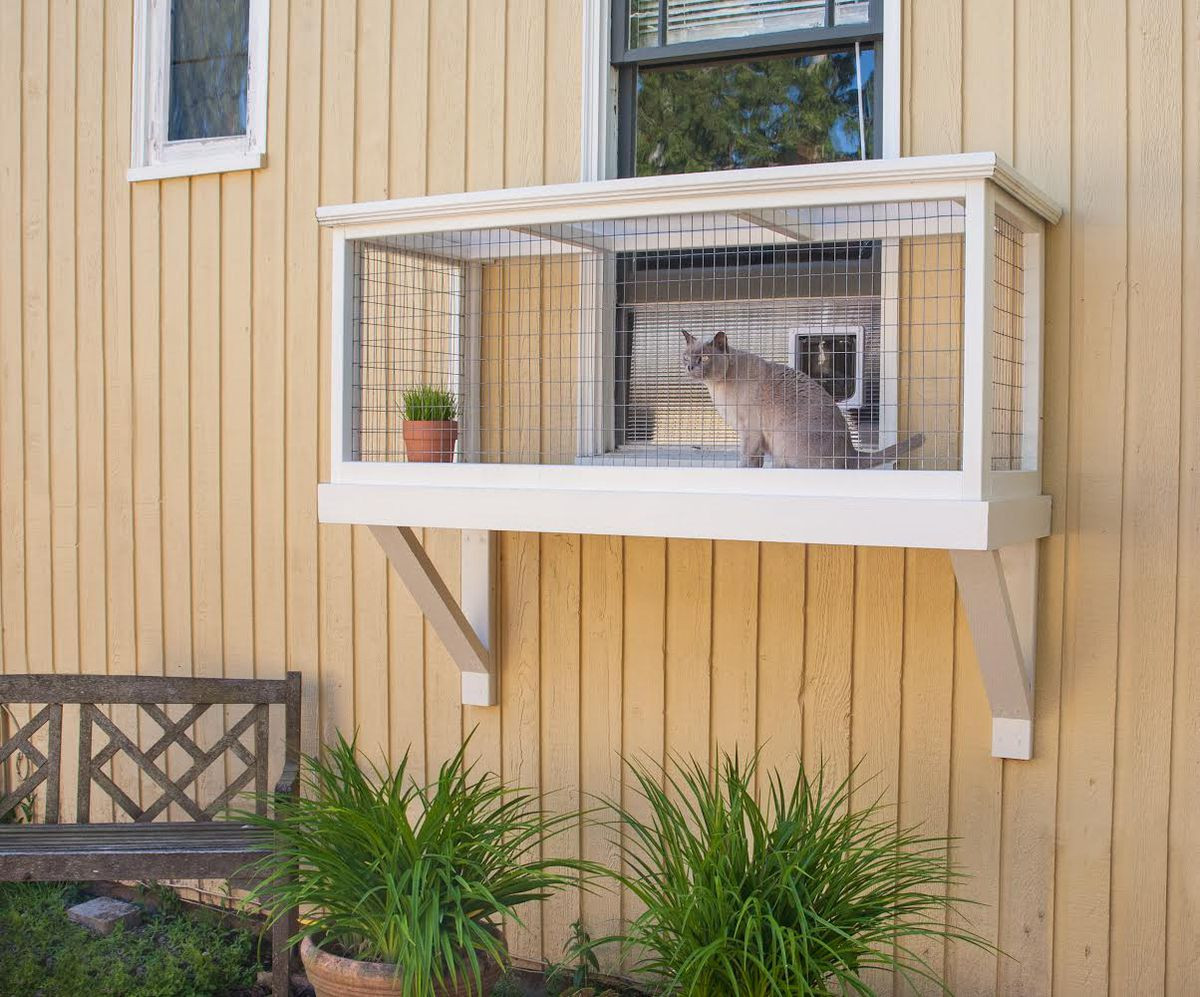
(875, 458)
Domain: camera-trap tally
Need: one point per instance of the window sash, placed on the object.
(797, 40)
(152, 156)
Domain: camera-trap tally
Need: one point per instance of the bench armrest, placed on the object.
(288, 779)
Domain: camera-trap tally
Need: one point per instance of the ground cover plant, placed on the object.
(43, 954)
(792, 896)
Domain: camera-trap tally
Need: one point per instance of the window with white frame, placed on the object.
(200, 87)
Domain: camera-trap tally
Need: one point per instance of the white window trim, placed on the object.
(151, 157)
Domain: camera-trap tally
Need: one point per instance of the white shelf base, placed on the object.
(947, 524)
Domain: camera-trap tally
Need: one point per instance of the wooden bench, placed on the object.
(142, 849)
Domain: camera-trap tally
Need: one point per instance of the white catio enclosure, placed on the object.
(866, 343)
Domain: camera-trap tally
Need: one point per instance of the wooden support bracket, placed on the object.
(465, 629)
(999, 593)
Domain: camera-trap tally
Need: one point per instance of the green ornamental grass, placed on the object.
(794, 897)
(428, 404)
(394, 871)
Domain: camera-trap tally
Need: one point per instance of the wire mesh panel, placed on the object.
(1008, 348)
(808, 337)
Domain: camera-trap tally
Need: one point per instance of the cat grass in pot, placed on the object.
(779, 411)
(430, 427)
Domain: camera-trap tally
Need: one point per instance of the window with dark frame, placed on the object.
(735, 84)
(732, 84)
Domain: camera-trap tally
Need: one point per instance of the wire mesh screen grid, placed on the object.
(818, 337)
(1008, 348)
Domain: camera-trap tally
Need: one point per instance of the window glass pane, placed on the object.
(852, 12)
(761, 112)
(693, 20)
(643, 23)
(210, 40)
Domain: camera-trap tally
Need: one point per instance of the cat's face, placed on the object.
(705, 360)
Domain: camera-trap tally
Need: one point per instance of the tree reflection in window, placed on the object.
(769, 111)
(209, 48)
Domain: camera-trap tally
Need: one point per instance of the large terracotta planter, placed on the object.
(335, 976)
(430, 442)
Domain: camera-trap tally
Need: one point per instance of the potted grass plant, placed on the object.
(797, 895)
(430, 424)
(403, 886)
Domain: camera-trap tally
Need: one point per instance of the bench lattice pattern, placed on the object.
(45, 764)
(174, 733)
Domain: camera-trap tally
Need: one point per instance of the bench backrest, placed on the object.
(151, 695)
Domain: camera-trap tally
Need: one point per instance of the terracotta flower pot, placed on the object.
(429, 442)
(336, 976)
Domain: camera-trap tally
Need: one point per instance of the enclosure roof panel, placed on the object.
(927, 177)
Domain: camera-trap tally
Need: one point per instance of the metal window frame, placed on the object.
(799, 41)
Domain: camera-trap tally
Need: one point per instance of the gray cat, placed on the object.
(779, 410)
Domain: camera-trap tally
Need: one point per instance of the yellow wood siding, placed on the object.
(163, 383)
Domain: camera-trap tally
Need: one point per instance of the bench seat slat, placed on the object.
(127, 851)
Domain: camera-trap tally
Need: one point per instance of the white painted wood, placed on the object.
(1034, 276)
(872, 483)
(889, 344)
(856, 182)
(429, 591)
(232, 163)
(598, 115)
(1012, 738)
(471, 381)
(152, 156)
(892, 47)
(977, 335)
(455, 381)
(999, 593)
(478, 601)
(343, 445)
(597, 316)
(931, 523)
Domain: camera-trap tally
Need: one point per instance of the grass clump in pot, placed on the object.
(428, 404)
(390, 870)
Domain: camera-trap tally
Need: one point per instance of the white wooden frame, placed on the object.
(988, 519)
(428, 494)
(151, 156)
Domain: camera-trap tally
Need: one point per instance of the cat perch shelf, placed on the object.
(910, 290)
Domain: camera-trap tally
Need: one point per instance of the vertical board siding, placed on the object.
(164, 371)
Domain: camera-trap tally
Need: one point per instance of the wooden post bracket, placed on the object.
(999, 593)
(464, 630)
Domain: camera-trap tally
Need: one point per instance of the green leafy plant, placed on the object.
(428, 404)
(393, 871)
(579, 963)
(793, 897)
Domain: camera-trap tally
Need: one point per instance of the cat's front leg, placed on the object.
(752, 451)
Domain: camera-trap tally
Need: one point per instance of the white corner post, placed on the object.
(449, 621)
(999, 593)
(478, 562)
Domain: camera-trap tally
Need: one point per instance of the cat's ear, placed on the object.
(688, 337)
(720, 342)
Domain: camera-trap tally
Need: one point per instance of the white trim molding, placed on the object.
(151, 155)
